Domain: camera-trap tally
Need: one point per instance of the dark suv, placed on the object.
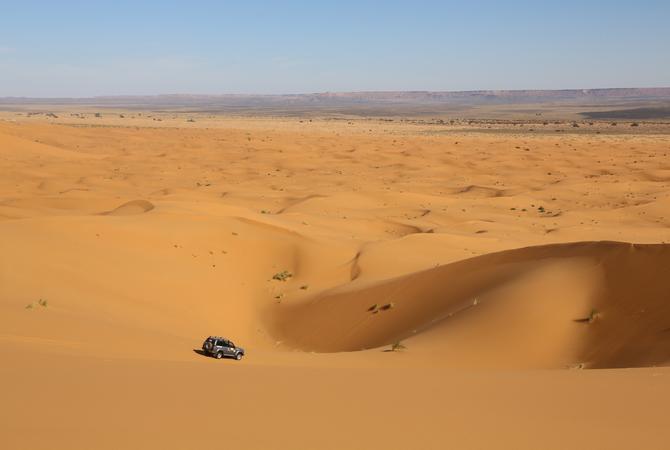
(219, 347)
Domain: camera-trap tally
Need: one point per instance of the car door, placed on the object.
(221, 346)
(228, 348)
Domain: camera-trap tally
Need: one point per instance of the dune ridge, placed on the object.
(627, 299)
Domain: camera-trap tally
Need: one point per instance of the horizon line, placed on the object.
(409, 91)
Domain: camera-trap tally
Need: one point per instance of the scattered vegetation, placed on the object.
(43, 303)
(594, 315)
(397, 346)
(282, 276)
(375, 309)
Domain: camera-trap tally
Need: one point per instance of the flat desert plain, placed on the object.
(521, 278)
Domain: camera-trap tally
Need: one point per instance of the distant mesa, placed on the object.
(388, 100)
(131, 208)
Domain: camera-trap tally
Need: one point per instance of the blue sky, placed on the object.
(88, 48)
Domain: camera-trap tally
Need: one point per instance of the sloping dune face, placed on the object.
(601, 304)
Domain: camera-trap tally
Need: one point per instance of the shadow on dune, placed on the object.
(131, 208)
(597, 304)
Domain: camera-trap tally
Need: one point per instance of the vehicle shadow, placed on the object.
(200, 352)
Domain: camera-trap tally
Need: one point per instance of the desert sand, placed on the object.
(526, 277)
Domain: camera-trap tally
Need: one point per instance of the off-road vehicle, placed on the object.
(219, 347)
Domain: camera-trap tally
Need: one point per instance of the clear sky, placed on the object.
(87, 48)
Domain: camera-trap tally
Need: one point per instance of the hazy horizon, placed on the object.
(282, 94)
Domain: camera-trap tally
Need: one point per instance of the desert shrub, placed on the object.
(397, 346)
(282, 276)
(594, 315)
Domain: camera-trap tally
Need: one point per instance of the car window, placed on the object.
(230, 344)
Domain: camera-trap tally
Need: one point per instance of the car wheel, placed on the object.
(238, 356)
(219, 355)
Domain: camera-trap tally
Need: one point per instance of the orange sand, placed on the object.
(498, 260)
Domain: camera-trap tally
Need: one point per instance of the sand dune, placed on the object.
(602, 304)
(316, 246)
